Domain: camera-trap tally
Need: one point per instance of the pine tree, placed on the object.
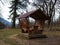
(15, 5)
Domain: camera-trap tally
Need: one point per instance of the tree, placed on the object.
(15, 5)
(1, 2)
(48, 7)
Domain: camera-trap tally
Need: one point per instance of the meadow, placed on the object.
(5, 33)
(7, 37)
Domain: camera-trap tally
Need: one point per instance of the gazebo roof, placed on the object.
(37, 14)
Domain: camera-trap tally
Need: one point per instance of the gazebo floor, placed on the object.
(32, 35)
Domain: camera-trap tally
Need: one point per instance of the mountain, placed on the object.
(5, 22)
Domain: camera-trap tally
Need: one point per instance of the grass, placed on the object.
(52, 33)
(4, 33)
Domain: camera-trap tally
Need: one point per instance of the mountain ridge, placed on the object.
(5, 22)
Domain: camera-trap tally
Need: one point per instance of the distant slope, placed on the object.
(7, 23)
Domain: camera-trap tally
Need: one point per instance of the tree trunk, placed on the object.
(14, 16)
(13, 23)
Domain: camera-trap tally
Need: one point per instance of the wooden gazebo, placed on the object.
(40, 18)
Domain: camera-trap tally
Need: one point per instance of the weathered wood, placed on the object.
(27, 25)
(35, 26)
(40, 19)
(20, 22)
(42, 24)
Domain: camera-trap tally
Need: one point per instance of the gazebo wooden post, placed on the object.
(42, 24)
(27, 25)
(35, 26)
(20, 23)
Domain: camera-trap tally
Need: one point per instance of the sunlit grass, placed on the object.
(5, 33)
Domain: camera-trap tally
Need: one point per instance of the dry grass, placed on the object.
(5, 33)
(53, 38)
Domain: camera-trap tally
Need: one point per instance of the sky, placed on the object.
(5, 9)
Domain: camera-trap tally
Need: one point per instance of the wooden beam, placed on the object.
(36, 26)
(42, 23)
(20, 23)
(27, 25)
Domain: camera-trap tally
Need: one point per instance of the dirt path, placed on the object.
(3, 43)
(51, 40)
(19, 41)
(47, 41)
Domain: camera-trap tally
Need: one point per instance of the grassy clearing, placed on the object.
(52, 33)
(4, 33)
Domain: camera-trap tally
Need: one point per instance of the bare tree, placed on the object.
(48, 7)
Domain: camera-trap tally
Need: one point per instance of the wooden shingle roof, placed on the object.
(37, 14)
